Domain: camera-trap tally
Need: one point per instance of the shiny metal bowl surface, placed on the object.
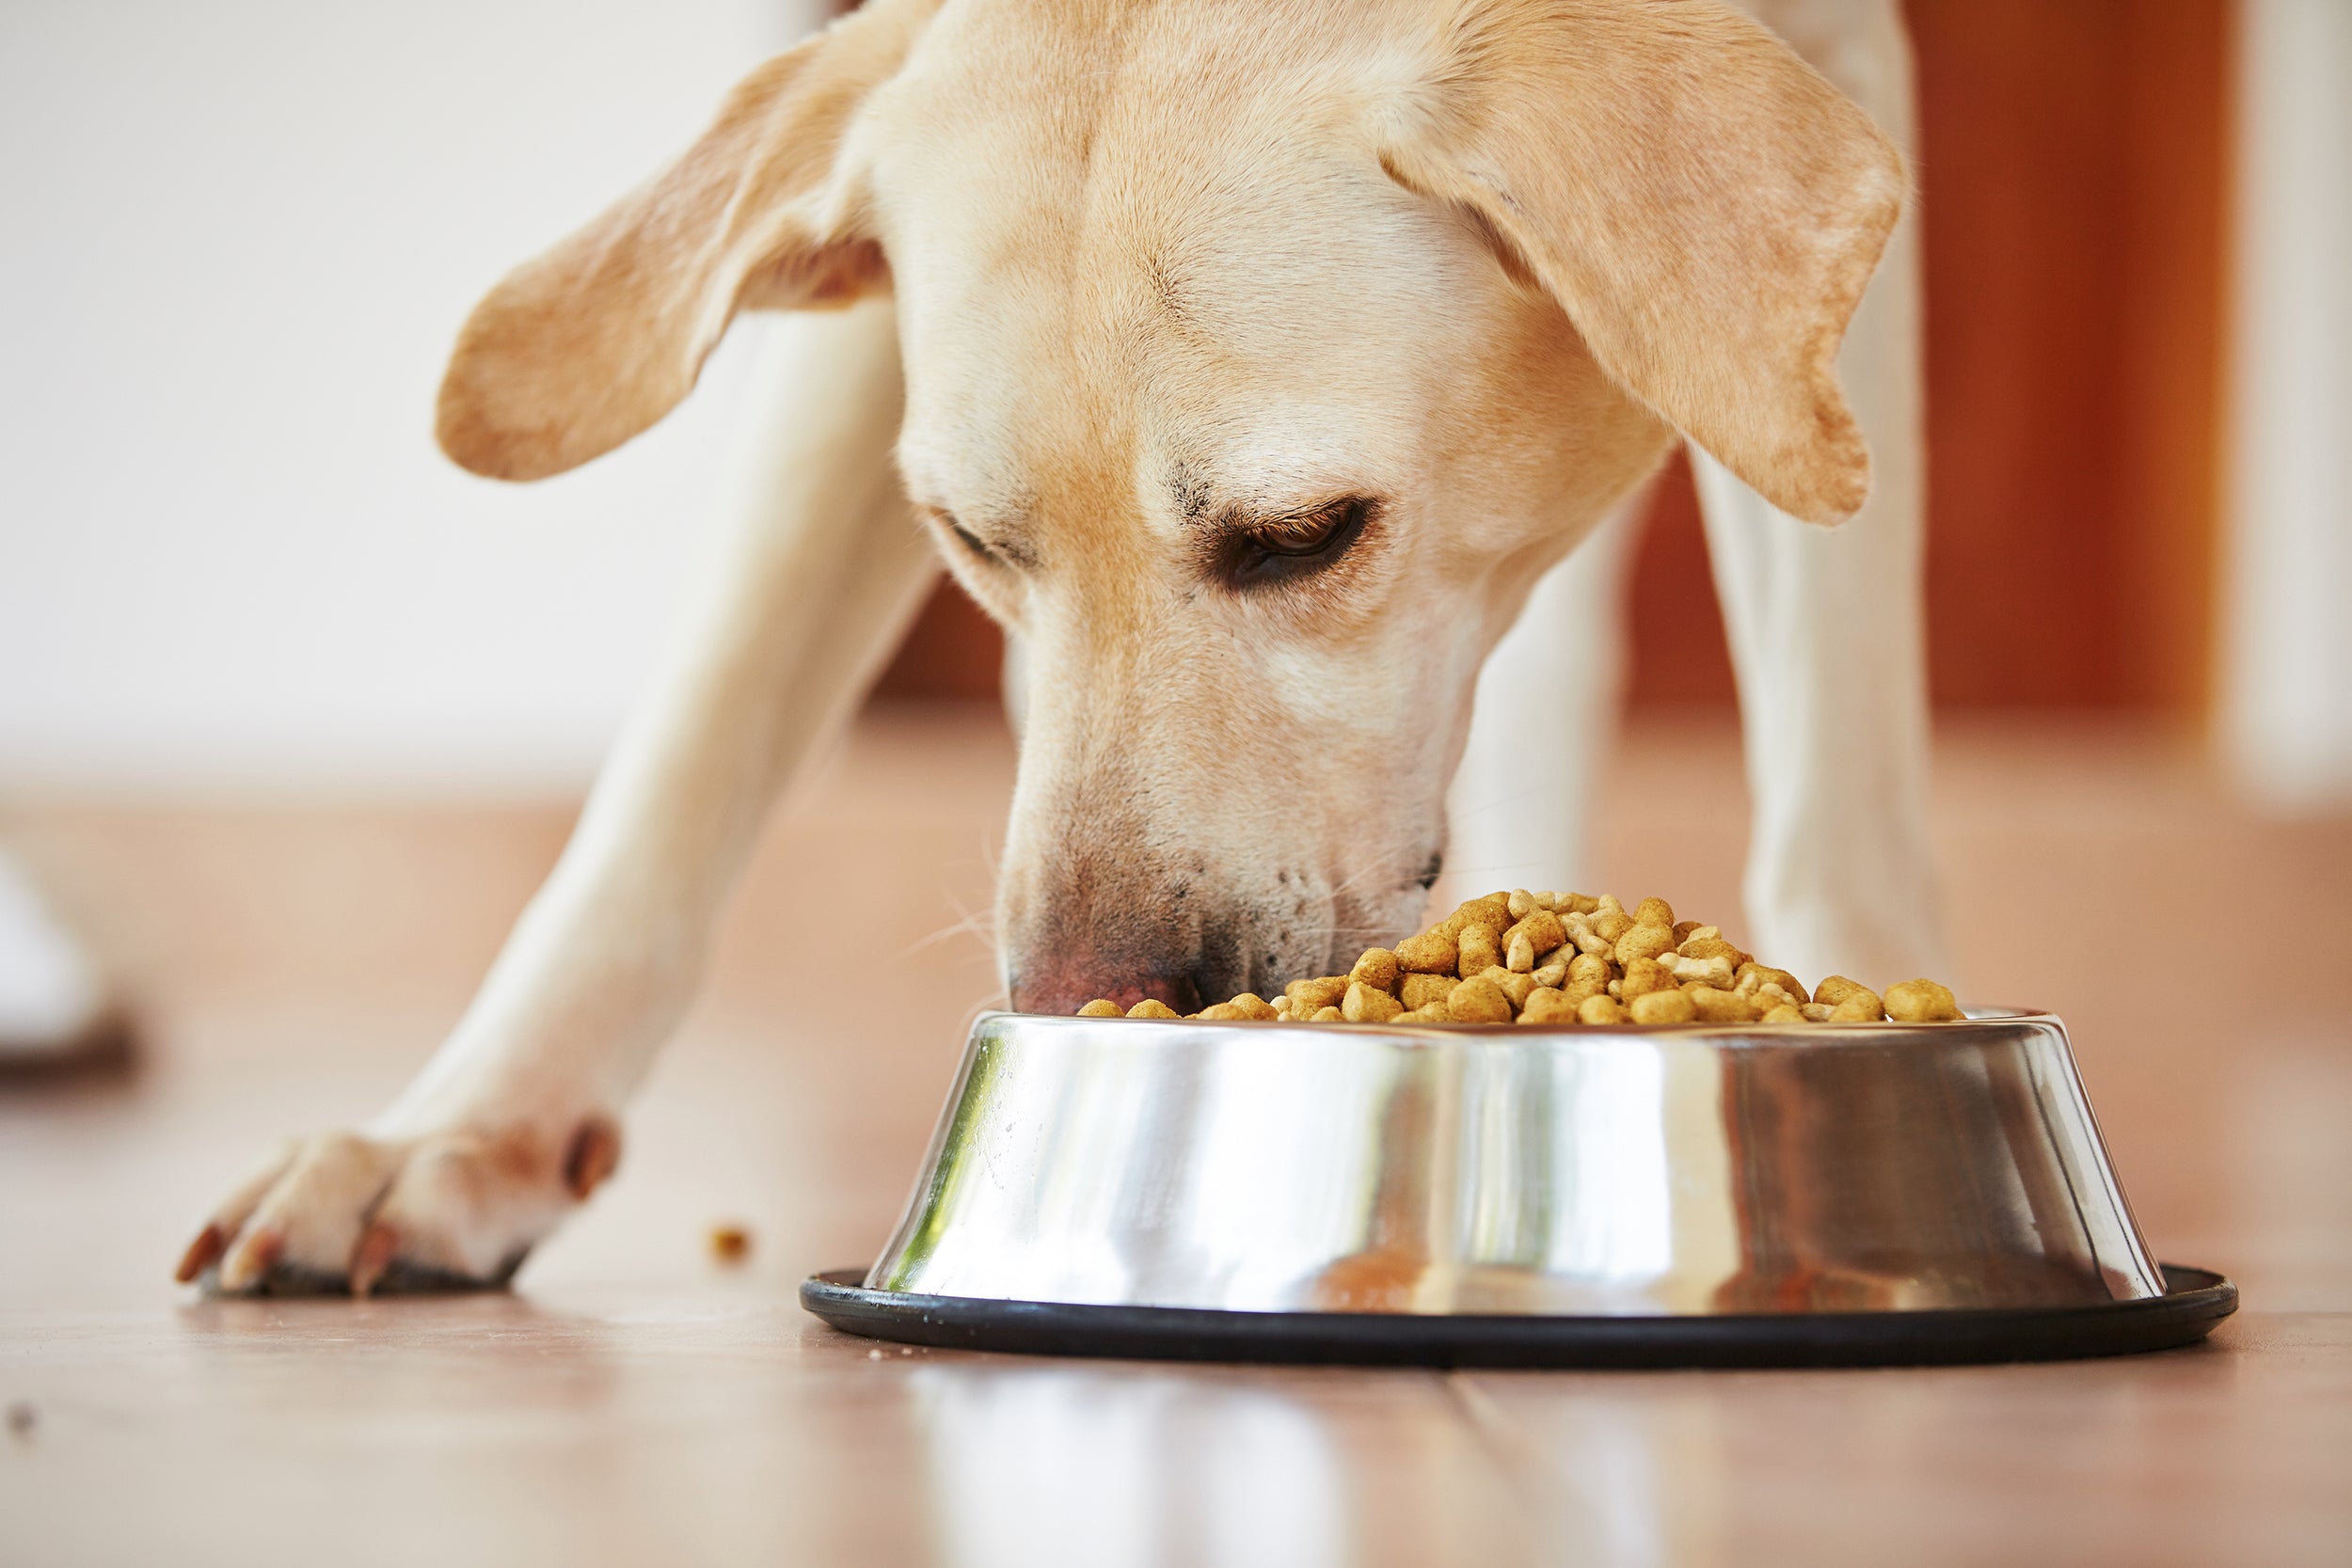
(1682, 1171)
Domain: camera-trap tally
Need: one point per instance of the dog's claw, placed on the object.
(202, 1253)
(595, 1154)
(251, 1259)
(368, 1260)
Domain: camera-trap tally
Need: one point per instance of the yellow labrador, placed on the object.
(1253, 360)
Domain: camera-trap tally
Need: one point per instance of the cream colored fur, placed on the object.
(1163, 279)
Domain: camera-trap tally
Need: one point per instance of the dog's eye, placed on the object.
(1285, 548)
(965, 536)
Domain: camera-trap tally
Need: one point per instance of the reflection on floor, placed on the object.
(633, 1402)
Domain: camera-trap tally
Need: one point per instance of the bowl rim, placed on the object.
(1814, 1033)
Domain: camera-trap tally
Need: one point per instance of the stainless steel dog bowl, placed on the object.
(1514, 1194)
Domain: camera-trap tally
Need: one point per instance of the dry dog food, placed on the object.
(1544, 958)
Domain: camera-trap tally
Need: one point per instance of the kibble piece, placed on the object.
(1610, 925)
(1540, 934)
(1253, 1006)
(1711, 971)
(730, 1244)
(1493, 912)
(1783, 1013)
(1377, 968)
(1327, 1015)
(1309, 995)
(1429, 953)
(1414, 1015)
(1599, 1010)
(1420, 992)
(1102, 1006)
(1546, 1006)
(1766, 975)
(1478, 951)
(1654, 911)
(1683, 930)
(1645, 942)
(1921, 1002)
(1721, 1006)
(1643, 977)
(1817, 1012)
(1711, 947)
(1587, 939)
(1513, 985)
(1552, 971)
(1836, 989)
(1217, 1012)
(1576, 903)
(1857, 1006)
(1478, 1001)
(1664, 1006)
(1522, 904)
(1151, 1006)
(1367, 1004)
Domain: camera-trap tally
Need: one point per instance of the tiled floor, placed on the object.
(633, 1402)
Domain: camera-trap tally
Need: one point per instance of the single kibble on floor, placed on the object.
(731, 1244)
(1564, 960)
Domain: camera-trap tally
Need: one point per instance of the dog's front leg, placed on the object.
(514, 1120)
(1825, 625)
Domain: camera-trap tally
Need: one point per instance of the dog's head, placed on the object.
(1259, 356)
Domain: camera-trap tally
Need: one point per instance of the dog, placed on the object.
(1255, 365)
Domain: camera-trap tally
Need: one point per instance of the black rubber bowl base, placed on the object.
(2195, 1300)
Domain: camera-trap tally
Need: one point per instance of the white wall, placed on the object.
(2287, 688)
(236, 242)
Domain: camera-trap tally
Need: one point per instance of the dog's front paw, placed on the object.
(454, 1209)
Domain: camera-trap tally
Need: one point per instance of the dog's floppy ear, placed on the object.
(1703, 206)
(587, 345)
